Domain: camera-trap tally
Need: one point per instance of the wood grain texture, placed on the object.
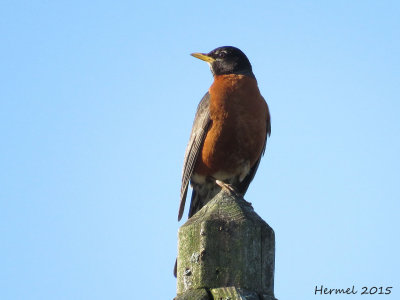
(226, 244)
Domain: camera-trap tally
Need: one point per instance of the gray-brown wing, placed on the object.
(199, 131)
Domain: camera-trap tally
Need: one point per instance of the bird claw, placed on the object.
(232, 191)
(228, 187)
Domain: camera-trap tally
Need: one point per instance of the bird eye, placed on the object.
(222, 54)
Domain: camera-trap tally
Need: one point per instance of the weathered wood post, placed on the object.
(226, 251)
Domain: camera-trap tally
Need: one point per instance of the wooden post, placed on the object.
(226, 251)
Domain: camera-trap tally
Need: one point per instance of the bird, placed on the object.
(229, 132)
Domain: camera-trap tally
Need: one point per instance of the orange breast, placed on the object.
(239, 117)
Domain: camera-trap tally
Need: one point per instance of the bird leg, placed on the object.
(231, 190)
(228, 187)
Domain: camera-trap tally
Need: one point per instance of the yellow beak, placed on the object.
(203, 56)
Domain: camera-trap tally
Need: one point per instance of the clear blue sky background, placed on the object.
(96, 104)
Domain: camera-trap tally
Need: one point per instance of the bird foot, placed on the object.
(228, 187)
(231, 190)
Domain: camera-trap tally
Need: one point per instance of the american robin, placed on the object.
(229, 132)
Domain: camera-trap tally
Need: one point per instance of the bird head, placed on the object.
(226, 60)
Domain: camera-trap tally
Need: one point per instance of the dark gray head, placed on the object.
(226, 60)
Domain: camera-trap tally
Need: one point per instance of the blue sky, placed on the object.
(96, 104)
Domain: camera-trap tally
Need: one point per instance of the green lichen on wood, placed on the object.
(226, 244)
(233, 293)
(199, 294)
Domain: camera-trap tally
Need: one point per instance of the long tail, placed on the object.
(176, 267)
(201, 195)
